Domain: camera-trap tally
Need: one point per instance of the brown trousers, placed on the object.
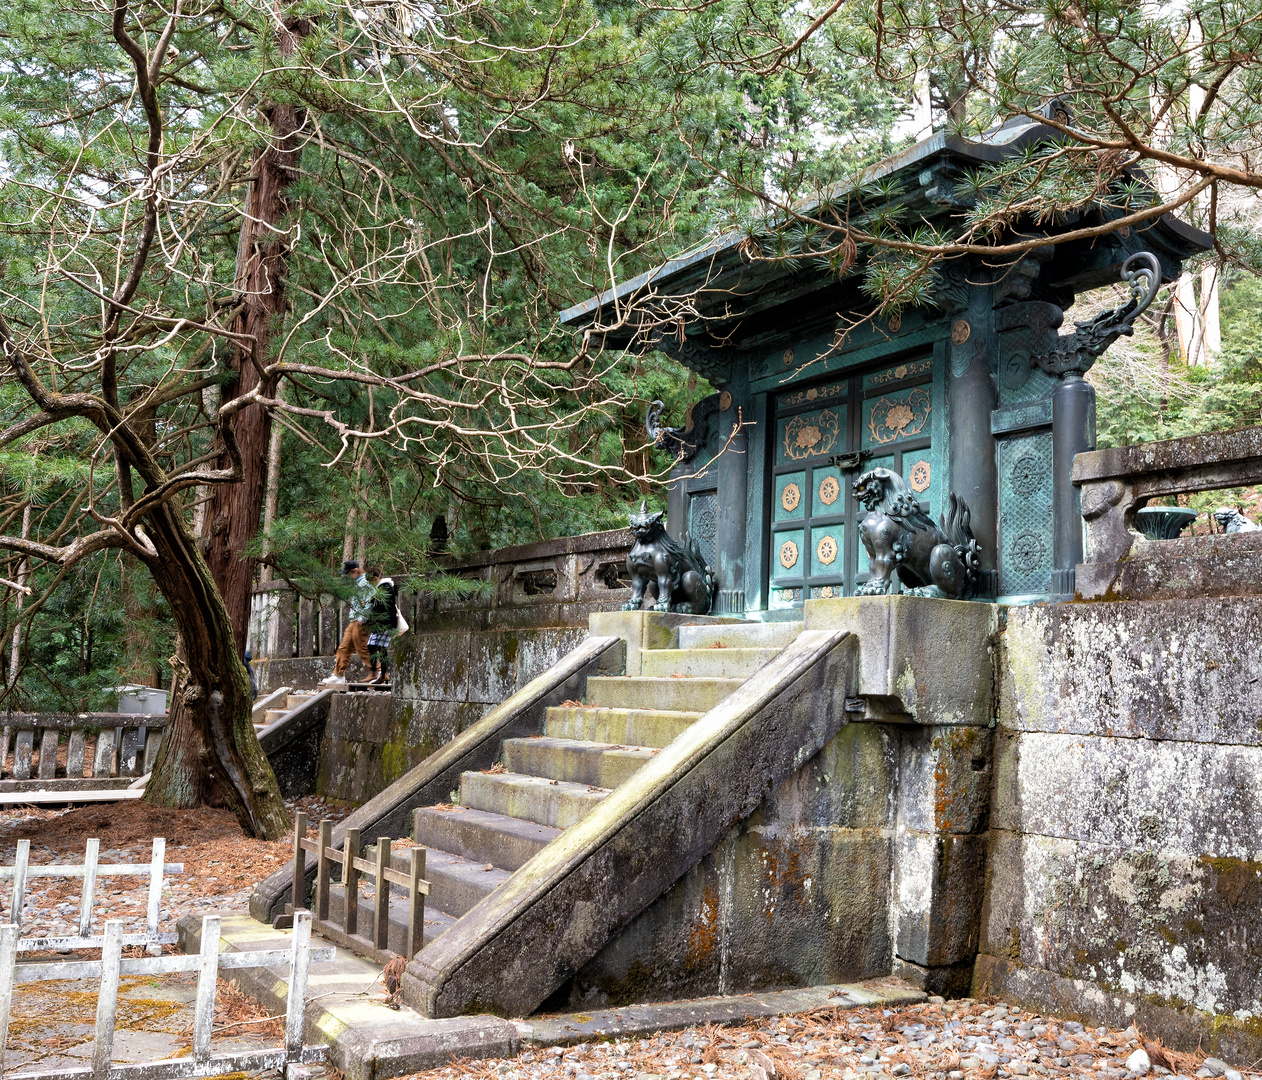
(354, 640)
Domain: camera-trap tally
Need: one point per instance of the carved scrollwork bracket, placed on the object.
(683, 443)
(1073, 354)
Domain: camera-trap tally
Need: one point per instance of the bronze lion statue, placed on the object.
(675, 575)
(899, 536)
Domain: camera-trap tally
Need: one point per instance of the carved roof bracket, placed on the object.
(683, 443)
(1073, 354)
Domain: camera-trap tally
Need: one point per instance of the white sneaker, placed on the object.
(334, 680)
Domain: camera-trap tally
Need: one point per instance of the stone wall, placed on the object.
(443, 682)
(1125, 865)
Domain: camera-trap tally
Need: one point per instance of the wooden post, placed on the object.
(350, 881)
(107, 998)
(89, 886)
(296, 1003)
(300, 861)
(157, 862)
(325, 834)
(207, 974)
(20, 861)
(381, 918)
(416, 909)
(8, 958)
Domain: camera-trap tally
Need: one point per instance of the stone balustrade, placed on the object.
(1115, 484)
(549, 583)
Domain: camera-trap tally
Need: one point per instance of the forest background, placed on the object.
(444, 180)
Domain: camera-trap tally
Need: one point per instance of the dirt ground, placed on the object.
(221, 866)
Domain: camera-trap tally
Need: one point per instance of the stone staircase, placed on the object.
(292, 701)
(541, 785)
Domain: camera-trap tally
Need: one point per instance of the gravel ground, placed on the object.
(958, 1040)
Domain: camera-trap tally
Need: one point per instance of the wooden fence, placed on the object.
(383, 875)
(90, 870)
(65, 751)
(208, 963)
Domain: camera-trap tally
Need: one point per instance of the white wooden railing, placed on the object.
(208, 963)
(90, 870)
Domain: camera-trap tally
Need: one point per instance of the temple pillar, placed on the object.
(733, 488)
(971, 398)
(1073, 432)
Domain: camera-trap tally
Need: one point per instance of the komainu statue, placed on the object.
(676, 576)
(899, 536)
(1231, 520)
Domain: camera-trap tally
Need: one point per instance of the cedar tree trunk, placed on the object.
(211, 717)
(262, 257)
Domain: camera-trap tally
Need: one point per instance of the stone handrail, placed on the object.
(588, 570)
(518, 944)
(1116, 483)
(477, 747)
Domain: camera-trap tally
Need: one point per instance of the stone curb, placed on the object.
(369, 1041)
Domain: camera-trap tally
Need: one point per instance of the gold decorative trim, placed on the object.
(896, 323)
(791, 497)
(899, 417)
(960, 332)
(826, 549)
(788, 357)
(903, 371)
(725, 401)
(811, 434)
(829, 490)
(920, 476)
(788, 554)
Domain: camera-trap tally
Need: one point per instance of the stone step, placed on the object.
(480, 836)
(436, 920)
(456, 883)
(531, 798)
(272, 715)
(596, 763)
(711, 663)
(674, 695)
(624, 727)
(292, 701)
(768, 635)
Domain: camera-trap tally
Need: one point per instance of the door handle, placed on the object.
(846, 462)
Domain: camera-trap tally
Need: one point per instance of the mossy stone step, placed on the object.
(623, 727)
(601, 764)
(531, 798)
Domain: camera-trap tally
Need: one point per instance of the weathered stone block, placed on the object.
(493, 665)
(1161, 796)
(945, 778)
(1162, 926)
(538, 650)
(771, 906)
(938, 898)
(430, 725)
(934, 658)
(1031, 899)
(852, 783)
(433, 667)
(1186, 670)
